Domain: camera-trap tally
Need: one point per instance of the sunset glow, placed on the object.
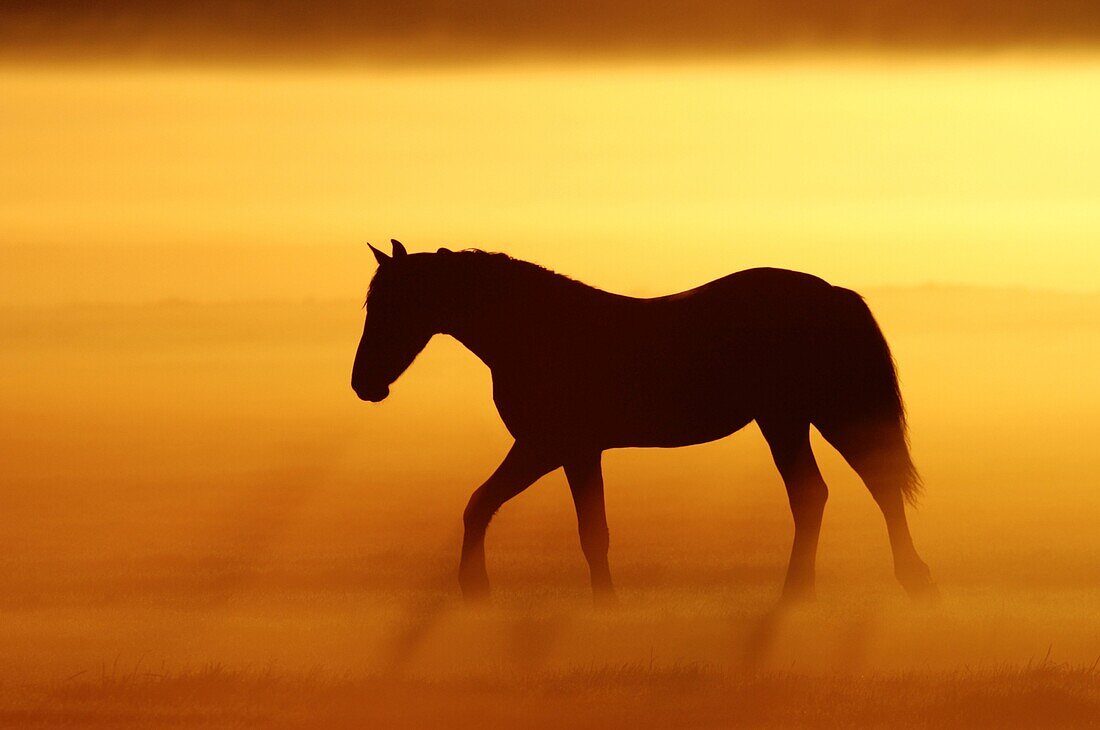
(192, 490)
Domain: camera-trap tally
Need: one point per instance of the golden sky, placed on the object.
(133, 183)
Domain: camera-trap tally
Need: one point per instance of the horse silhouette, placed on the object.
(577, 370)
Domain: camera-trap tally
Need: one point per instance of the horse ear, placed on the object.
(398, 248)
(380, 257)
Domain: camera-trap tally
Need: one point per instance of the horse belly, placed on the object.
(668, 429)
(670, 414)
(616, 417)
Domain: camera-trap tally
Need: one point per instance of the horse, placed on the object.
(577, 371)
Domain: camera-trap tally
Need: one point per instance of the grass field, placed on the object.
(630, 695)
(204, 527)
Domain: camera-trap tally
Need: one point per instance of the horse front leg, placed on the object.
(585, 477)
(521, 468)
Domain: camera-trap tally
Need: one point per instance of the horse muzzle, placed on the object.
(374, 395)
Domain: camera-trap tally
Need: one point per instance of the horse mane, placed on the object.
(490, 266)
(491, 271)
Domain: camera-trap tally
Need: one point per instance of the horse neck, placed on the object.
(497, 317)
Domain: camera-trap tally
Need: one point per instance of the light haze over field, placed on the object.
(190, 481)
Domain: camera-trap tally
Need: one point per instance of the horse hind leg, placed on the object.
(585, 477)
(789, 441)
(881, 458)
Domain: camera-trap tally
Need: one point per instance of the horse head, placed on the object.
(399, 323)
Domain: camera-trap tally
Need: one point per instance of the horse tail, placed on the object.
(864, 417)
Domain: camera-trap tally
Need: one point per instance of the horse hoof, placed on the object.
(605, 600)
(475, 597)
(918, 583)
(924, 593)
(797, 595)
(475, 588)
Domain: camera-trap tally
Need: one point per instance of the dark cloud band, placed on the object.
(433, 29)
